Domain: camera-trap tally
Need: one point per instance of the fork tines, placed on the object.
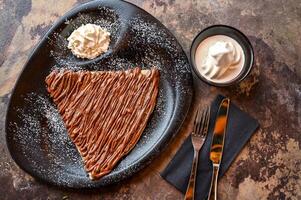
(201, 121)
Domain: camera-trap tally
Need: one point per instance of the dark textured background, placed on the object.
(269, 167)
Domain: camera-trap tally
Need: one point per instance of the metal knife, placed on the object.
(217, 145)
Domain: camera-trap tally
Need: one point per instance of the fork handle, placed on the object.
(189, 195)
(213, 187)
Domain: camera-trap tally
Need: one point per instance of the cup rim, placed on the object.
(243, 41)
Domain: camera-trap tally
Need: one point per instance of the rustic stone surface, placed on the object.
(269, 167)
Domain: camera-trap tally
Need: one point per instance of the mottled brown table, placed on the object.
(269, 167)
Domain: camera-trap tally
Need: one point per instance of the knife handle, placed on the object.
(213, 187)
(189, 195)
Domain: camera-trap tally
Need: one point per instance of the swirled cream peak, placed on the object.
(220, 58)
(89, 41)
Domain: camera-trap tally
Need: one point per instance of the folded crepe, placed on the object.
(105, 112)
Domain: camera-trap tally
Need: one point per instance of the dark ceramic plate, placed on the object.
(36, 136)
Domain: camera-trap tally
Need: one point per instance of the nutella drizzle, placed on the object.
(105, 112)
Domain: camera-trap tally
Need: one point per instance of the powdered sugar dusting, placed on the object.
(42, 129)
(157, 38)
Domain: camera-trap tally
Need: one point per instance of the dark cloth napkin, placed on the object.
(240, 128)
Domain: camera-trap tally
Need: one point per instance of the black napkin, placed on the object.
(240, 128)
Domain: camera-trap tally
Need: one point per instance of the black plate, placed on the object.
(36, 136)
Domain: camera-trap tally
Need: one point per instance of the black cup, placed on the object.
(236, 35)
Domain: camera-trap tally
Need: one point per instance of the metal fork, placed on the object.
(198, 136)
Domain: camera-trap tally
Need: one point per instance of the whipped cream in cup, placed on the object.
(221, 55)
(219, 58)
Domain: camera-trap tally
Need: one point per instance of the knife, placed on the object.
(217, 145)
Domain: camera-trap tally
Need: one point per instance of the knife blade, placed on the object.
(217, 145)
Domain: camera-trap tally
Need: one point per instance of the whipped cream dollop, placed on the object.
(89, 41)
(219, 58)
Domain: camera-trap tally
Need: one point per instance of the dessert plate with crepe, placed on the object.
(99, 98)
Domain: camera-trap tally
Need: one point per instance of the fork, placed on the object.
(198, 136)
